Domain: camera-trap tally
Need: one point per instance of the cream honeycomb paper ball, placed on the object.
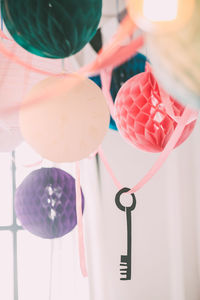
(176, 61)
(69, 122)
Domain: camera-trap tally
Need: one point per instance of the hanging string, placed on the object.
(51, 269)
(162, 158)
(80, 222)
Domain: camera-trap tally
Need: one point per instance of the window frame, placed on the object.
(14, 228)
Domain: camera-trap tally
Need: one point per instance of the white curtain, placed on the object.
(165, 229)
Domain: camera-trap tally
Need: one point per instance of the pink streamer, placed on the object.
(17, 60)
(123, 54)
(104, 160)
(126, 28)
(111, 60)
(106, 77)
(166, 152)
(169, 108)
(162, 158)
(80, 222)
(167, 103)
(37, 163)
(165, 97)
(148, 67)
(116, 58)
(56, 89)
(3, 36)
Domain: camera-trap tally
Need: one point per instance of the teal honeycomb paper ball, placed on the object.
(52, 28)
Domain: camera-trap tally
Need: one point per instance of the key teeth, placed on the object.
(125, 275)
(125, 271)
(124, 278)
(122, 273)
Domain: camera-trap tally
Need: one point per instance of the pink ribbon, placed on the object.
(106, 56)
(106, 77)
(80, 222)
(111, 56)
(35, 164)
(116, 58)
(183, 121)
(165, 97)
(169, 108)
(110, 171)
(3, 36)
(17, 60)
(166, 152)
(125, 29)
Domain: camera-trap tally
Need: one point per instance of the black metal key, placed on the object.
(125, 263)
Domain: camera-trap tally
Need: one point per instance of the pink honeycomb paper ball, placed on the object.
(141, 116)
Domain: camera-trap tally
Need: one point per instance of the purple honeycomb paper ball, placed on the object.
(45, 203)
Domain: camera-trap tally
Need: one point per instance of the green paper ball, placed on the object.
(52, 28)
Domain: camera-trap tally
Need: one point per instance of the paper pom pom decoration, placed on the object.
(45, 203)
(54, 29)
(158, 16)
(177, 66)
(121, 74)
(70, 123)
(141, 116)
